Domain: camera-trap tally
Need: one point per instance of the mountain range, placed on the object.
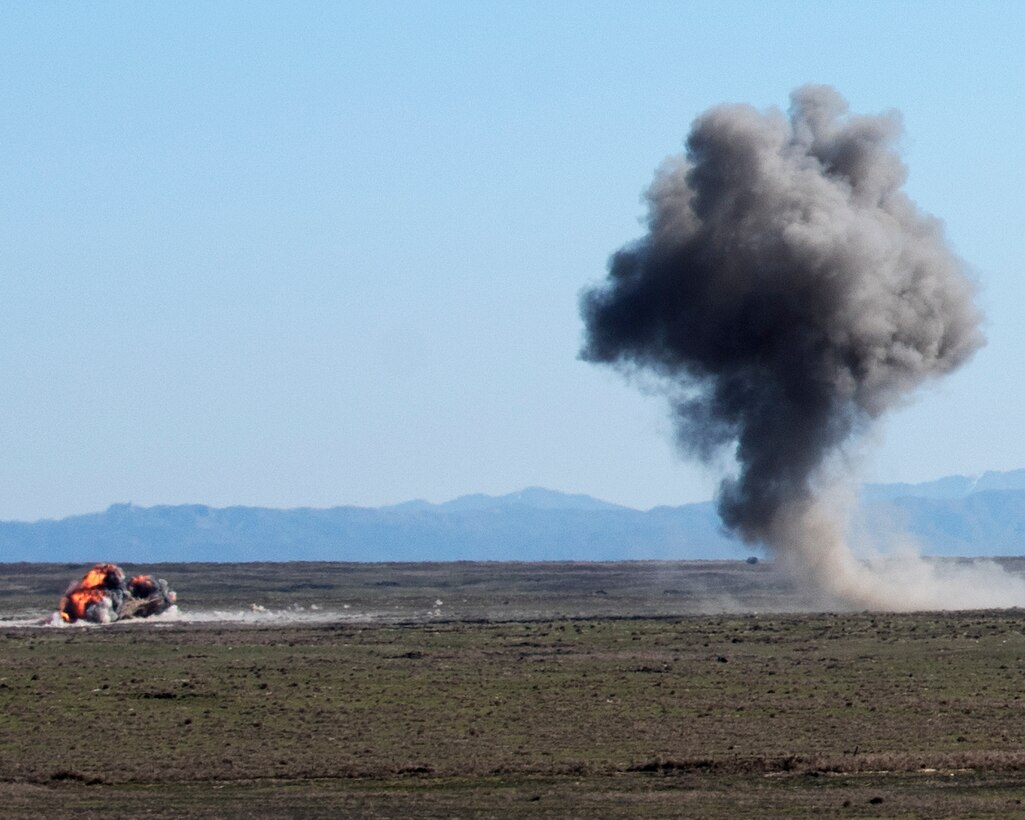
(955, 515)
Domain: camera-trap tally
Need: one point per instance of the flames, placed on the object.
(103, 596)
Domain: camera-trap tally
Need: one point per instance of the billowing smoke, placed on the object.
(787, 293)
(104, 595)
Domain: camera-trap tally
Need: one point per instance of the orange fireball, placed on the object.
(103, 596)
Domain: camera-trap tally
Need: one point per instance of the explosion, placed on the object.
(103, 596)
(787, 293)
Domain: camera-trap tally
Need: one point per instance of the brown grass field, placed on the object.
(531, 690)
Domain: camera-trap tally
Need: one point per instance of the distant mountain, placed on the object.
(536, 498)
(530, 525)
(956, 515)
(954, 486)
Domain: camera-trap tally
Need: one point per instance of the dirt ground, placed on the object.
(402, 706)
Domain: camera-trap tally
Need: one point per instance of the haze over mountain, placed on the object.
(955, 515)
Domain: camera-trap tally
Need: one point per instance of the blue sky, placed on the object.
(330, 253)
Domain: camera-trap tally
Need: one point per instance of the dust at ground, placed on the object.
(432, 591)
(720, 715)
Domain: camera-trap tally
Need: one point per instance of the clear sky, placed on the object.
(310, 254)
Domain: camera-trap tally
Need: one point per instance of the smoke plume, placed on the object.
(787, 292)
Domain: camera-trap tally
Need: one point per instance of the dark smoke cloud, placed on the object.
(787, 292)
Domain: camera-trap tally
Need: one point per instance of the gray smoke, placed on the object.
(787, 293)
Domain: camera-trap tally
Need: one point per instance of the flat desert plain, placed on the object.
(692, 689)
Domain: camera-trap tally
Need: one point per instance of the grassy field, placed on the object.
(595, 712)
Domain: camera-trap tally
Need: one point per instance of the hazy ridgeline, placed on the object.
(954, 516)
